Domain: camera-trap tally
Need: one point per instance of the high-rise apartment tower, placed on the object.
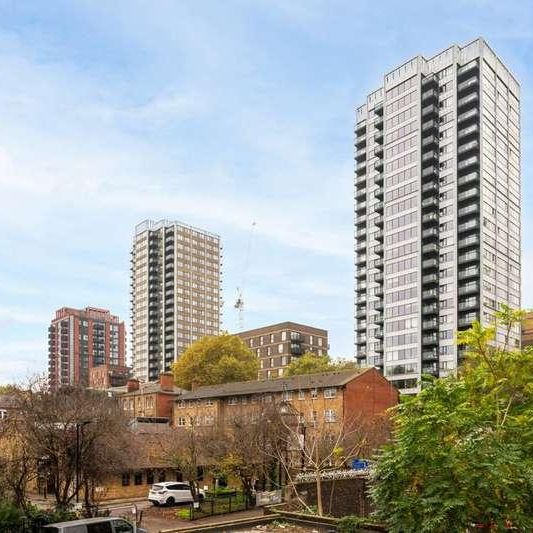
(80, 340)
(437, 202)
(175, 293)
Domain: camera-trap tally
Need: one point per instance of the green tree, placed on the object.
(310, 363)
(462, 452)
(214, 360)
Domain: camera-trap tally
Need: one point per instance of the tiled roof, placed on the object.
(145, 388)
(308, 381)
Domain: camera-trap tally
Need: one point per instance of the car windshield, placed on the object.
(157, 487)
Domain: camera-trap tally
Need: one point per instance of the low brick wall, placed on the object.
(340, 497)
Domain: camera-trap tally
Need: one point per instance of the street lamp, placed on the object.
(79, 426)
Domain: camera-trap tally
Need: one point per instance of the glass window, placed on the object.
(138, 478)
(125, 479)
(121, 526)
(330, 392)
(314, 394)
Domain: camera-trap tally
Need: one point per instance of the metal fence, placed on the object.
(230, 502)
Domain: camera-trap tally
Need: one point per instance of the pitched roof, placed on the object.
(306, 381)
(145, 388)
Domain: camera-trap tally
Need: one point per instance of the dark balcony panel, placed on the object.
(430, 203)
(467, 227)
(468, 194)
(378, 151)
(430, 95)
(467, 70)
(468, 132)
(464, 148)
(360, 128)
(429, 126)
(360, 182)
(430, 264)
(378, 137)
(378, 109)
(430, 234)
(378, 165)
(468, 210)
(466, 102)
(360, 155)
(430, 141)
(430, 248)
(468, 242)
(468, 179)
(470, 272)
(360, 141)
(429, 110)
(430, 279)
(468, 116)
(378, 180)
(430, 172)
(468, 85)
(378, 123)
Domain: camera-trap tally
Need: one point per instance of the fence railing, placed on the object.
(211, 505)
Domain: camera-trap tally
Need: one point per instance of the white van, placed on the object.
(171, 492)
(93, 525)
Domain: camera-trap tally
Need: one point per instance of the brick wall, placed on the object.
(340, 497)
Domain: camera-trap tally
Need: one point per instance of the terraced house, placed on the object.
(324, 398)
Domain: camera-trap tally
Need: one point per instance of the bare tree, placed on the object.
(78, 436)
(316, 447)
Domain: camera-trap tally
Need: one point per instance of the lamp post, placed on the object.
(79, 429)
(302, 427)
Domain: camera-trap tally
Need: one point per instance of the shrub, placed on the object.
(11, 517)
(351, 524)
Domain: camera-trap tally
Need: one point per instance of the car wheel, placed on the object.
(171, 501)
(201, 497)
(156, 504)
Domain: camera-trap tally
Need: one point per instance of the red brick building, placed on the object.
(81, 339)
(151, 400)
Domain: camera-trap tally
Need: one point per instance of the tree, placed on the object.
(76, 436)
(215, 360)
(310, 363)
(462, 451)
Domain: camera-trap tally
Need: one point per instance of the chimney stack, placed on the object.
(132, 385)
(166, 381)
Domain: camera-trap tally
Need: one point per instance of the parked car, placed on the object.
(171, 492)
(93, 525)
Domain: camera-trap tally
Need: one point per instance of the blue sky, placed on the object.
(214, 113)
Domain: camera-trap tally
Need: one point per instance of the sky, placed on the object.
(217, 114)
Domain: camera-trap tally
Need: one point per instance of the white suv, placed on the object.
(171, 492)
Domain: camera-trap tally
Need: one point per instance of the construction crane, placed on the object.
(239, 302)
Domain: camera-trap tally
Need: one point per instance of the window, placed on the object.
(162, 476)
(330, 415)
(283, 335)
(330, 392)
(271, 338)
(244, 399)
(209, 402)
(125, 479)
(286, 396)
(138, 478)
(280, 348)
(301, 395)
(314, 394)
(320, 341)
(181, 421)
(233, 400)
(149, 477)
(181, 404)
(310, 339)
(209, 420)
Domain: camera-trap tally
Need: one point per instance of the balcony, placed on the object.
(468, 304)
(472, 240)
(378, 193)
(379, 306)
(429, 126)
(430, 95)
(430, 234)
(361, 354)
(470, 83)
(378, 151)
(378, 291)
(360, 260)
(360, 181)
(467, 116)
(430, 279)
(468, 226)
(430, 141)
(472, 177)
(469, 130)
(468, 147)
(378, 221)
(360, 128)
(378, 278)
(465, 321)
(468, 210)
(430, 294)
(379, 207)
(360, 154)
(430, 355)
(429, 81)
(430, 172)
(360, 339)
(360, 208)
(431, 202)
(429, 264)
(378, 333)
(378, 137)
(469, 257)
(469, 68)
(470, 272)
(361, 141)
(360, 247)
(378, 249)
(430, 248)
(468, 194)
(378, 109)
(430, 158)
(361, 273)
(430, 218)
(296, 349)
(472, 161)
(467, 101)
(360, 168)
(360, 194)
(361, 313)
(378, 123)
(378, 165)
(471, 287)
(430, 309)
(429, 110)
(431, 324)
(430, 339)
(378, 180)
